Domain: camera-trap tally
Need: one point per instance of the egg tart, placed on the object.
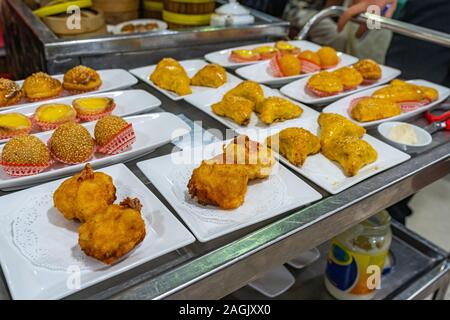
(81, 79)
(286, 47)
(244, 55)
(51, 115)
(266, 52)
(113, 135)
(325, 84)
(25, 156)
(328, 57)
(285, 65)
(369, 69)
(14, 124)
(310, 61)
(71, 143)
(350, 77)
(93, 108)
(170, 75)
(371, 109)
(10, 92)
(40, 86)
(211, 75)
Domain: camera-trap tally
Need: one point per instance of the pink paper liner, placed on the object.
(408, 106)
(121, 141)
(329, 67)
(16, 133)
(274, 66)
(309, 66)
(237, 59)
(23, 170)
(47, 126)
(319, 93)
(67, 162)
(96, 116)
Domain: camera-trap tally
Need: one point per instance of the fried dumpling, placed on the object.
(211, 75)
(170, 75)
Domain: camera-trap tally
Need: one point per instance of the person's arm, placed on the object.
(360, 6)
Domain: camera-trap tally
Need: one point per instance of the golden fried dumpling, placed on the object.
(333, 126)
(399, 92)
(211, 75)
(40, 86)
(350, 77)
(328, 57)
(170, 75)
(249, 90)
(266, 52)
(275, 109)
(430, 94)
(351, 152)
(286, 47)
(295, 144)
(84, 195)
(222, 185)
(236, 108)
(81, 79)
(371, 109)
(114, 232)
(324, 84)
(369, 69)
(10, 92)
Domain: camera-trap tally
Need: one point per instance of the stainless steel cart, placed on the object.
(218, 268)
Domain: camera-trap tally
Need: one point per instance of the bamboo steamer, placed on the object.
(152, 9)
(118, 11)
(187, 13)
(91, 21)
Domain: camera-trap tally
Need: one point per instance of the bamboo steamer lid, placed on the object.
(91, 20)
(152, 9)
(118, 17)
(187, 13)
(102, 31)
(117, 6)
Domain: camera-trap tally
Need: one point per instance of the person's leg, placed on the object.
(421, 59)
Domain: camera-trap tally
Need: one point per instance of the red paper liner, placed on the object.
(96, 116)
(238, 59)
(47, 126)
(274, 66)
(309, 66)
(23, 170)
(267, 56)
(320, 93)
(67, 162)
(16, 133)
(408, 106)
(121, 141)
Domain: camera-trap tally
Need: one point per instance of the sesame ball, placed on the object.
(25, 149)
(71, 143)
(107, 128)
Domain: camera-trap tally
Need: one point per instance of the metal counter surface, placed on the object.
(217, 268)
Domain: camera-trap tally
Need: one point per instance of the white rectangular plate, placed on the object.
(30, 276)
(328, 174)
(128, 102)
(191, 67)
(279, 193)
(113, 79)
(260, 72)
(341, 106)
(297, 89)
(152, 131)
(203, 101)
(222, 57)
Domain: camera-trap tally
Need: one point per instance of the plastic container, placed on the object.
(357, 257)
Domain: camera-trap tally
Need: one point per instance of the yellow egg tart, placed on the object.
(14, 124)
(93, 108)
(286, 47)
(266, 52)
(51, 115)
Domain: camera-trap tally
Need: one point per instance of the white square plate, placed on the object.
(341, 106)
(265, 199)
(152, 131)
(297, 89)
(326, 173)
(222, 57)
(40, 249)
(113, 79)
(191, 67)
(260, 72)
(203, 101)
(128, 102)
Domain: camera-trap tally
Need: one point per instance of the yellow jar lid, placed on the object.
(153, 5)
(61, 7)
(186, 19)
(192, 1)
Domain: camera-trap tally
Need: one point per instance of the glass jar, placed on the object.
(356, 259)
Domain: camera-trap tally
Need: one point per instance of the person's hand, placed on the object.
(360, 6)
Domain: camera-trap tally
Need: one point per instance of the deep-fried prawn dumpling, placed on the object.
(351, 152)
(211, 75)
(249, 90)
(295, 144)
(170, 75)
(236, 108)
(334, 126)
(222, 185)
(84, 195)
(371, 109)
(275, 109)
(114, 233)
